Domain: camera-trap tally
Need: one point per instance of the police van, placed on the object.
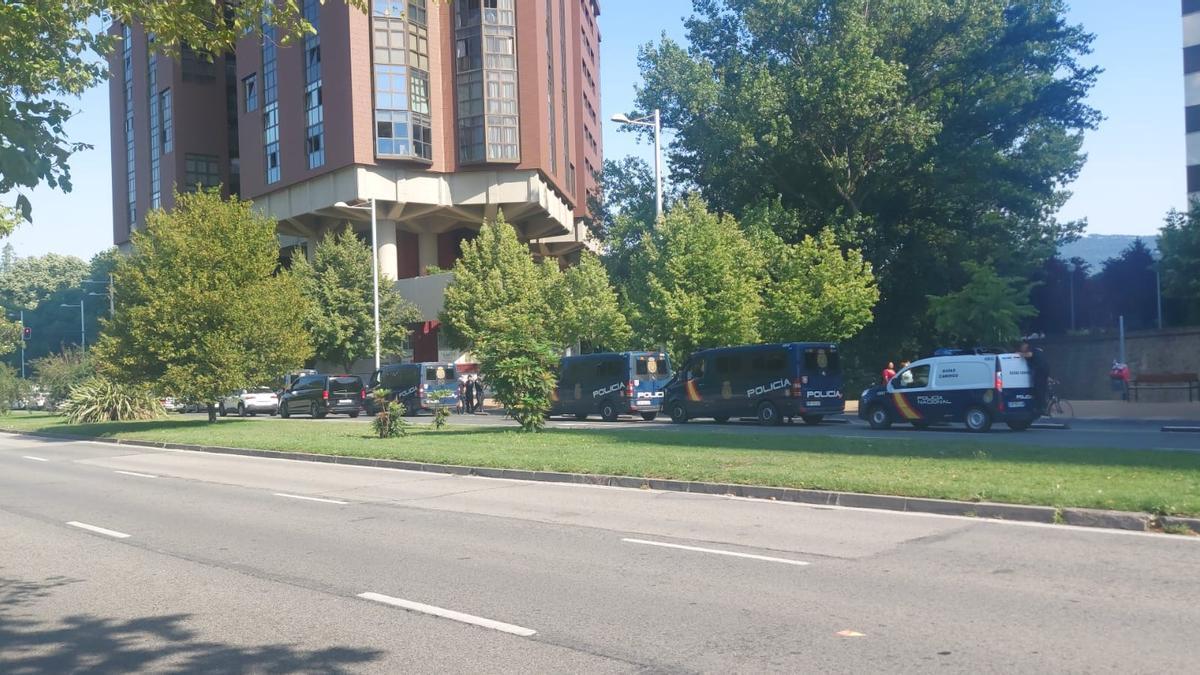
(771, 382)
(975, 389)
(416, 386)
(610, 384)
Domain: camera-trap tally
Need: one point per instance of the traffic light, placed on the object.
(26, 333)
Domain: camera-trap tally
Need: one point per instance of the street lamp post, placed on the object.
(82, 329)
(1157, 257)
(1071, 269)
(655, 121)
(109, 283)
(374, 267)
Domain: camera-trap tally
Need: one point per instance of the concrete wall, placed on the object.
(1082, 363)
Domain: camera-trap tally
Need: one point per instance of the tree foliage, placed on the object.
(586, 308)
(59, 373)
(1179, 243)
(924, 132)
(27, 282)
(1128, 287)
(204, 308)
(987, 311)
(341, 313)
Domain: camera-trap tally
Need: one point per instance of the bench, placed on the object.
(1189, 381)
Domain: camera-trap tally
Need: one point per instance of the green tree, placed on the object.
(585, 307)
(341, 316)
(27, 282)
(13, 389)
(925, 132)
(1179, 243)
(204, 308)
(815, 291)
(987, 311)
(695, 282)
(59, 373)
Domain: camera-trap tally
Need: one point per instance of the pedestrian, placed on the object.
(462, 394)
(889, 372)
(906, 376)
(469, 395)
(1040, 372)
(1119, 374)
(478, 396)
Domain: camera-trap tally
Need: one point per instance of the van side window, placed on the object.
(696, 371)
(769, 362)
(914, 378)
(727, 365)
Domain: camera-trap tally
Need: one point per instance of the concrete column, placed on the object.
(388, 263)
(427, 250)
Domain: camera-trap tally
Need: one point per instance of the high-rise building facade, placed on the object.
(445, 114)
(1191, 87)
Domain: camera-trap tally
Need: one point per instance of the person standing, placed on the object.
(889, 372)
(478, 395)
(462, 394)
(1040, 372)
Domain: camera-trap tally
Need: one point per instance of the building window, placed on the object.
(403, 128)
(551, 115)
(130, 165)
(314, 107)
(250, 92)
(270, 96)
(201, 171)
(485, 53)
(152, 103)
(196, 66)
(168, 121)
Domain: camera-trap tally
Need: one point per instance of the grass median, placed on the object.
(971, 469)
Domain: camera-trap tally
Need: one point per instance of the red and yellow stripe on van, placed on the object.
(554, 395)
(906, 410)
(693, 394)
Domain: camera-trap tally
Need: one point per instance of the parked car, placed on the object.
(319, 395)
(416, 386)
(772, 382)
(611, 384)
(250, 402)
(170, 405)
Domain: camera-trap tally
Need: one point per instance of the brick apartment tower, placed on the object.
(444, 113)
(1191, 84)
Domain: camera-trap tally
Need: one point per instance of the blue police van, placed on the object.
(611, 384)
(974, 389)
(416, 386)
(772, 382)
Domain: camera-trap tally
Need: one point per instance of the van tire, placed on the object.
(812, 420)
(315, 411)
(1019, 425)
(649, 417)
(978, 420)
(879, 417)
(580, 416)
(768, 414)
(678, 412)
(354, 414)
(608, 411)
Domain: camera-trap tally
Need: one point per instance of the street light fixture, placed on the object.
(374, 266)
(655, 121)
(82, 329)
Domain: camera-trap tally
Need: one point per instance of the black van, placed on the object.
(319, 395)
(416, 386)
(611, 384)
(772, 382)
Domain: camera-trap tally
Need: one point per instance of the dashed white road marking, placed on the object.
(36, 459)
(309, 499)
(449, 614)
(767, 558)
(135, 473)
(98, 530)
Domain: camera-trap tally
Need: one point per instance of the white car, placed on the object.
(171, 405)
(250, 402)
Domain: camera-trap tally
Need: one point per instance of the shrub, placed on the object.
(59, 373)
(441, 417)
(12, 388)
(389, 423)
(101, 400)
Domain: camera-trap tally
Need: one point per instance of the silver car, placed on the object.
(250, 402)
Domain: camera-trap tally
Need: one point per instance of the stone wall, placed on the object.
(1082, 362)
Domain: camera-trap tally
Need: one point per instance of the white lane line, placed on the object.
(449, 614)
(309, 499)
(135, 473)
(98, 530)
(36, 459)
(767, 558)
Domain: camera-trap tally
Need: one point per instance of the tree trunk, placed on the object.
(212, 412)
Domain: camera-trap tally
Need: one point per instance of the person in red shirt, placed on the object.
(889, 372)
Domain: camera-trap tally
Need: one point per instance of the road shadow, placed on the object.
(163, 644)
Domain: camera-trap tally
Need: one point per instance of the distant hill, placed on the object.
(1096, 248)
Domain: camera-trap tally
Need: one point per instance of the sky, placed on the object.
(1134, 174)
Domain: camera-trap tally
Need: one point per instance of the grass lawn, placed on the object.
(1161, 482)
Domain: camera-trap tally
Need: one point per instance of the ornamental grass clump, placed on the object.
(389, 423)
(101, 400)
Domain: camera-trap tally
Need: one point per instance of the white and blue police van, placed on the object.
(974, 389)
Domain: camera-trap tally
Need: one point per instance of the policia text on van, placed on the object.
(772, 382)
(974, 389)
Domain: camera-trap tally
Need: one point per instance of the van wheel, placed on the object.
(581, 416)
(812, 420)
(978, 420)
(315, 411)
(649, 417)
(720, 419)
(354, 414)
(879, 418)
(678, 411)
(768, 414)
(608, 411)
(1018, 425)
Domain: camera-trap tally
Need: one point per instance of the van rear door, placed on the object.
(819, 374)
(1017, 380)
(650, 373)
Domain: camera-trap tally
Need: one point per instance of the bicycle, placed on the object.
(1056, 406)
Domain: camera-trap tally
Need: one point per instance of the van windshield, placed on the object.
(822, 359)
(439, 373)
(653, 367)
(345, 384)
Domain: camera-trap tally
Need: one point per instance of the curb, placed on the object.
(1192, 430)
(1120, 520)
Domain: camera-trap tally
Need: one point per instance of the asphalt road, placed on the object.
(1084, 433)
(116, 559)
